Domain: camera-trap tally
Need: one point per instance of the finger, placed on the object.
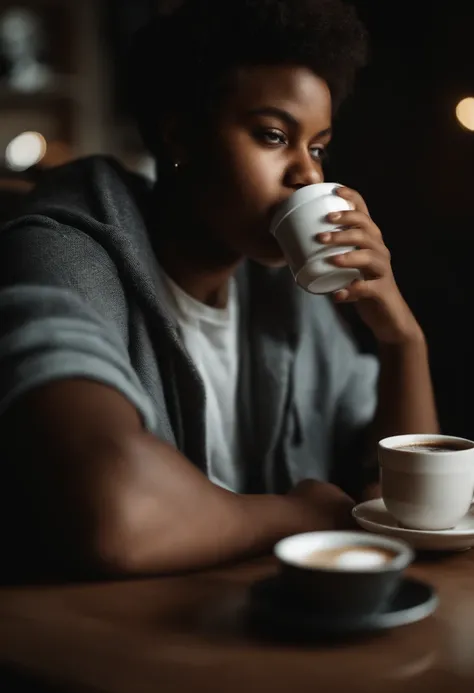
(343, 296)
(354, 198)
(360, 238)
(370, 263)
(357, 291)
(349, 218)
(354, 218)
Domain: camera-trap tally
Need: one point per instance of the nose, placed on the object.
(302, 170)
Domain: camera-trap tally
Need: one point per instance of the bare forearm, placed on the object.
(406, 400)
(178, 519)
(139, 507)
(181, 521)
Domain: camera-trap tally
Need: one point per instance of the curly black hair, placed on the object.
(181, 60)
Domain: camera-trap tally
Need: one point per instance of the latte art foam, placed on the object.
(350, 558)
(360, 559)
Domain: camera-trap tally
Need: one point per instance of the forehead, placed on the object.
(293, 88)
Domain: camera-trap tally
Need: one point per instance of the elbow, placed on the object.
(114, 554)
(124, 540)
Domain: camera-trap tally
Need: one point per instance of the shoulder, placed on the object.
(96, 186)
(81, 223)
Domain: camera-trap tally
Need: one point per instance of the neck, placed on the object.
(188, 253)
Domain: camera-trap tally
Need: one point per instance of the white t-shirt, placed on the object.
(211, 337)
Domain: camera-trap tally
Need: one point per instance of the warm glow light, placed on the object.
(465, 113)
(25, 151)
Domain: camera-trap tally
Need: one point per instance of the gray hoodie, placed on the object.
(80, 296)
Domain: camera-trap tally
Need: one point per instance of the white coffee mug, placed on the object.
(296, 225)
(427, 480)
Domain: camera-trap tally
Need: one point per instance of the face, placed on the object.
(268, 141)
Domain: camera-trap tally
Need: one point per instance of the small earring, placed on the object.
(177, 164)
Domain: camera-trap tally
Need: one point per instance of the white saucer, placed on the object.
(374, 517)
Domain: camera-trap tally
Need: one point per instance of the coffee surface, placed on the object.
(350, 557)
(433, 447)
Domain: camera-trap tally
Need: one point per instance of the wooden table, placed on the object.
(187, 634)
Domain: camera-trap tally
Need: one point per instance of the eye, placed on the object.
(273, 137)
(318, 153)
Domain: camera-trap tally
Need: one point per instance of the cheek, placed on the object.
(237, 159)
(253, 178)
(239, 186)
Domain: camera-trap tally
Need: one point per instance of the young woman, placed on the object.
(170, 398)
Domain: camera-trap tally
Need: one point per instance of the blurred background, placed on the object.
(405, 140)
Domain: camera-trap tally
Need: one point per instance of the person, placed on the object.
(170, 398)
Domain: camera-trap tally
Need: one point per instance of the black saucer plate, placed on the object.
(270, 606)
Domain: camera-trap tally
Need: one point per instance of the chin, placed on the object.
(269, 255)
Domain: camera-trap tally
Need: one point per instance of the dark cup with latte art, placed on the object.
(347, 574)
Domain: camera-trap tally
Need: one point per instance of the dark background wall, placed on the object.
(399, 143)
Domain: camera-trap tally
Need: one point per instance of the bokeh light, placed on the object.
(465, 113)
(25, 150)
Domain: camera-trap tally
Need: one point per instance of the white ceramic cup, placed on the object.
(423, 489)
(296, 226)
